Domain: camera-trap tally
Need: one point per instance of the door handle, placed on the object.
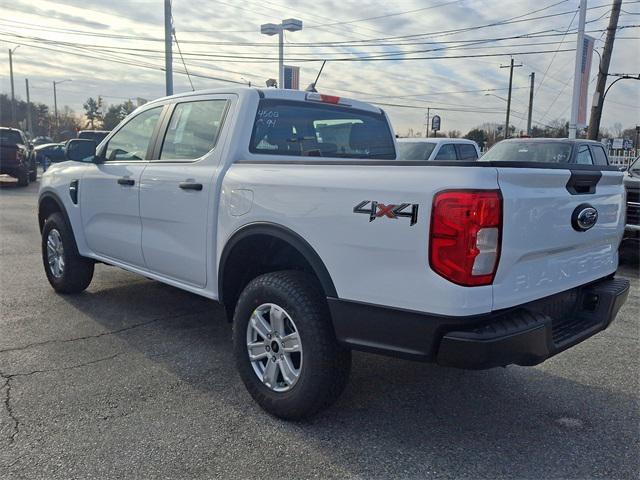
(190, 186)
(126, 181)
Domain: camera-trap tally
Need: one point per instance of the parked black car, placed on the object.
(15, 156)
(49, 153)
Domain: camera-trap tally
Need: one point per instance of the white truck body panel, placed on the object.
(385, 262)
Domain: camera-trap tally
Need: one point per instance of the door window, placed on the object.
(131, 142)
(584, 155)
(193, 129)
(467, 152)
(447, 152)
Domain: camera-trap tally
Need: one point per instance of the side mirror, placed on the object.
(80, 150)
(622, 168)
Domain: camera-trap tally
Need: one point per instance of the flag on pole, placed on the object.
(291, 77)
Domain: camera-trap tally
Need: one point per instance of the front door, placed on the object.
(110, 191)
(177, 192)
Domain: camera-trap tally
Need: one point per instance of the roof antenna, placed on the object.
(312, 86)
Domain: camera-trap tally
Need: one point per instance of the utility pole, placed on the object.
(603, 70)
(55, 106)
(533, 79)
(577, 72)
(168, 56)
(13, 95)
(426, 127)
(29, 126)
(510, 67)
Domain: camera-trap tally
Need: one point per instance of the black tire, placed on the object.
(23, 178)
(326, 365)
(33, 174)
(78, 271)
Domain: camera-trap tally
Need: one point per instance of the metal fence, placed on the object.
(622, 157)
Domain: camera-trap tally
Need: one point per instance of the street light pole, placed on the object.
(168, 54)
(577, 72)
(29, 125)
(291, 25)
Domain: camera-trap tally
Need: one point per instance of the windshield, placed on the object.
(415, 150)
(635, 166)
(318, 130)
(10, 137)
(547, 152)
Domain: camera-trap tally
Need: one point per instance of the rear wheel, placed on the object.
(66, 270)
(285, 348)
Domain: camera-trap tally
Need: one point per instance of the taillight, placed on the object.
(466, 229)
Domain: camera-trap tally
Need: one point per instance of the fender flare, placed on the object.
(63, 210)
(283, 233)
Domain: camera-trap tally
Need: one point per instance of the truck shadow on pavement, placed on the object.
(396, 418)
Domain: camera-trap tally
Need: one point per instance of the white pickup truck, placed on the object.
(291, 209)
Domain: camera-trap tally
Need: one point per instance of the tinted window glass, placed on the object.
(415, 150)
(599, 155)
(584, 156)
(447, 152)
(467, 152)
(317, 130)
(522, 151)
(193, 129)
(10, 137)
(132, 140)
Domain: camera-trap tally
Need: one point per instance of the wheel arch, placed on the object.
(49, 203)
(283, 236)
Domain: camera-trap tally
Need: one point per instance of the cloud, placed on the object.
(233, 24)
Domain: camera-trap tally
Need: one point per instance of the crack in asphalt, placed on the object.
(10, 376)
(98, 335)
(9, 408)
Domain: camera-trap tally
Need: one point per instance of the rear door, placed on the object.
(550, 241)
(177, 189)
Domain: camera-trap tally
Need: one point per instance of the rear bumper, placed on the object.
(525, 335)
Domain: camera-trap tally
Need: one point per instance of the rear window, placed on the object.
(315, 130)
(546, 152)
(415, 150)
(10, 137)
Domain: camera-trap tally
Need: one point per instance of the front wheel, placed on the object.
(285, 348)
(66, 270)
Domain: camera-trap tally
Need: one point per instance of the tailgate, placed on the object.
(545, 249)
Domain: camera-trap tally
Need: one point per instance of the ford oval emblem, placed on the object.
(584, 217)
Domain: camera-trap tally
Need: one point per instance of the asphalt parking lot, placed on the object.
(135, 379)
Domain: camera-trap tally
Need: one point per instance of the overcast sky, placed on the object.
(57, 37)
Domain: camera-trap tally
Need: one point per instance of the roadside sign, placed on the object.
(435, 123)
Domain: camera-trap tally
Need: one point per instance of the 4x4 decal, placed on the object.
(377, 210)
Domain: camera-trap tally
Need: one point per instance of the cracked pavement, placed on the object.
(135, 379)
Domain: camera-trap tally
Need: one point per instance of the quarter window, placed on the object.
(447, 152)
(193, 129)
(584, 155)
(467, 152)
(599, 156)
(131, 142)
